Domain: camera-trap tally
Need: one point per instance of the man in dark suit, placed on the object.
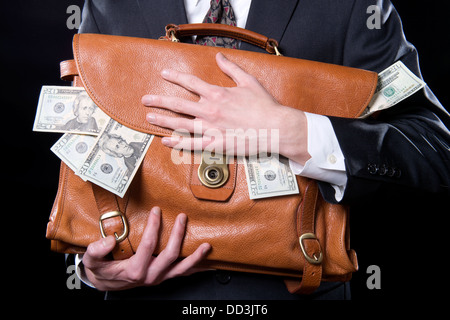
(406, 146)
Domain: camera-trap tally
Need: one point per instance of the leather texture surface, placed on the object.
(247, 235)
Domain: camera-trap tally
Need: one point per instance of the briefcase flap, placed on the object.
(117, 71)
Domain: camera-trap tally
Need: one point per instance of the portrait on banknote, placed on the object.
(116, 146)
(83, 110)
(68, 110)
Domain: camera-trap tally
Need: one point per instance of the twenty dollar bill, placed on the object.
(269, 177)
(68, 109)
(73, 149)
(395, 84)
(115, 158)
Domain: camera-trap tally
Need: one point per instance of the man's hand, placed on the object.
(228, 113)
(142, 269)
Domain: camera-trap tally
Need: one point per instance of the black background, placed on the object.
(401, 238)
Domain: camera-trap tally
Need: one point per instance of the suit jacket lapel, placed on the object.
(158, 13)
(269, 18)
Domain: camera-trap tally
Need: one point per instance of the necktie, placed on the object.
(219, 12)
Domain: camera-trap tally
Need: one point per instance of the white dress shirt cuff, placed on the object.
(327, 160)
(80, 271)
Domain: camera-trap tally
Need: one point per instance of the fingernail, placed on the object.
(147, 99)
(206, 248)
(167, 141)
(221, 56)
(107, 242)
(156, 211)
(151, 117)
(165, 73)
(182, 219)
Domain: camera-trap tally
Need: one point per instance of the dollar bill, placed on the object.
(73, 149)
(395, 84)
(269, 177)
(68, 109)
(115, 158)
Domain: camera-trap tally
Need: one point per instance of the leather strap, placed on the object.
(312, 271)
(221, 30)
(68, 70)
(116, 224)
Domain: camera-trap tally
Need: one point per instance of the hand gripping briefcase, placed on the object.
(300, 237)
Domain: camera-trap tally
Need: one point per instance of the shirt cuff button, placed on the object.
(332, 159)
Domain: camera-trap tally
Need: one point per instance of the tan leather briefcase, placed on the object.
(300, 237)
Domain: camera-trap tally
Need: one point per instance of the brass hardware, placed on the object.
(173, 38)
(314, 259)
(113, 214)
(213, 170)
(274, 45)
(276, 51)
(213, 174)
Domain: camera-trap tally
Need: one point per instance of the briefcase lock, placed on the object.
(213, 170)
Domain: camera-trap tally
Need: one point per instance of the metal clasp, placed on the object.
(314, 259)
(173, 38)
(213, 170)
(277, 52)
(274, 44)
(113, 214)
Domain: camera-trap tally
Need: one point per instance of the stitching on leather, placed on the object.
(63, 190)
(91, 92)
(369, 96)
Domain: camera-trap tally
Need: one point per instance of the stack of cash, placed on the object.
(94, 146)
(107, 153)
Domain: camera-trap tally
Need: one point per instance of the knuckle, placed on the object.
(192, 82)
(87, 262)
(178, 124)
(156, 100)
(248, 80)
(212, 113)
(136, 276)
(218, 94)
(148, 244)
(217, 114)
(161, 121)
(170, 122)
(177, 105)
(172, 256)
(91, 252)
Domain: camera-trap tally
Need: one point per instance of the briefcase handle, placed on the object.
(174, 31)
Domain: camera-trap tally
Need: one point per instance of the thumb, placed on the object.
(97, 251)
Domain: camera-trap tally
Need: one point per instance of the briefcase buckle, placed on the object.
(112, 214)
(315, 259)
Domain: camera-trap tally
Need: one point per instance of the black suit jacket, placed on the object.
(405, 148)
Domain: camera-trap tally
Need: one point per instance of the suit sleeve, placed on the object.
(407, 146)
(88, 21)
